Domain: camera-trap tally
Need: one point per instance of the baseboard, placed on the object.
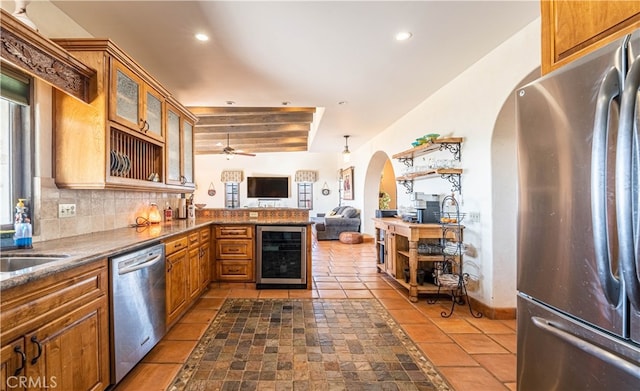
(492, 313)
(366, 238)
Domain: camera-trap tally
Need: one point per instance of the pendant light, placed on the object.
(346, 154)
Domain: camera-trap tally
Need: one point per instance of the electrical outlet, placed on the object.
(66, 210)
(253, 215)
(474, 217)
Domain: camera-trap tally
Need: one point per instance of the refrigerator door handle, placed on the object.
(608, 91)
(625, 178)
(586, 346)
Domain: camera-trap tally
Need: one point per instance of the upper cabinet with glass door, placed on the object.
(133, 141)
(179, 147)
(133, 103)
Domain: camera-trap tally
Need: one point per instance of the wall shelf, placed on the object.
(452, 175)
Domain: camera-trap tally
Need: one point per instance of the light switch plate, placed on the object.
(66, 210)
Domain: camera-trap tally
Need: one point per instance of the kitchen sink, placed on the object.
(17, 263)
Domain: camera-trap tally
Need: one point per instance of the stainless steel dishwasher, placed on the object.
(138, 310)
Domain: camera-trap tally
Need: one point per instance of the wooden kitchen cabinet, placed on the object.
(55, 331)
(187, 260)
(122, 131)
(179, 147)
(205, 257)
(571, 29)
(177, 283)
(234, 253)
(12, 362)
(134, 103)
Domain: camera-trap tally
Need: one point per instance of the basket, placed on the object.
(449, 217)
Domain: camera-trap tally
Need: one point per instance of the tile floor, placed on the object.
(471, 354)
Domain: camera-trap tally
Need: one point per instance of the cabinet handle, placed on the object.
(145, 125)
(177, 245)
(34, 339)
(169, 266)
(23, 362)
(183, 179)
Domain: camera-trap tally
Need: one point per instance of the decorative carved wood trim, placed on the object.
(38, 56)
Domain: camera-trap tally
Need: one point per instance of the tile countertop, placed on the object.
(99, 245)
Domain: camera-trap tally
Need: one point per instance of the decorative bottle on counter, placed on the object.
(168, 212)
(23, 237)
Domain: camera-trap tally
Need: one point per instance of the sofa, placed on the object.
(341, 219)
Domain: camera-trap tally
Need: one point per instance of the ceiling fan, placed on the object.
(231, 151)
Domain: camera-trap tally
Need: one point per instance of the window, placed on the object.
(16, 143)
(305, 195)
(231, 195)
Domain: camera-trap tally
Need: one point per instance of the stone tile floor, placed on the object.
(306, 344)
(471, 354)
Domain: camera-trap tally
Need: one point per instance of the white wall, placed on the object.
(468, 107)
(209, 167)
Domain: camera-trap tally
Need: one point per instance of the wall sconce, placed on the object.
(154, 214)
(346, 154)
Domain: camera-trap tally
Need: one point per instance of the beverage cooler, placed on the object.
(281, 257)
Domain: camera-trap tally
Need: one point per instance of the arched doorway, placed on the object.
(375, 176)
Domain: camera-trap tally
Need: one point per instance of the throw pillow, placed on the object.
(350, 212)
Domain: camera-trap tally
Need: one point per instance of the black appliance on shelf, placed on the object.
(281, 257)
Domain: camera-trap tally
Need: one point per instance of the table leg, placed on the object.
(413, 271)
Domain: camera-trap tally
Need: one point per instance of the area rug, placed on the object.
(306, 344)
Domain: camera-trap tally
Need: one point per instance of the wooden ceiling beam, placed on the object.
(265, 137)
(258, 119)
(238, 129)
(252, 129)
(239, 111)
(214, 151)
(255, 142)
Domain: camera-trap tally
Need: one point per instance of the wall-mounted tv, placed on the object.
(267, 187)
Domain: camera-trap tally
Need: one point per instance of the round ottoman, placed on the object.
(350, 237)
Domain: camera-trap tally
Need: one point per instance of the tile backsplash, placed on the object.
(96, 210)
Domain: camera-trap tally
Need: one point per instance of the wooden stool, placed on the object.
(350, 237)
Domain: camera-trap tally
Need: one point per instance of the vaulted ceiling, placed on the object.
(339, 57)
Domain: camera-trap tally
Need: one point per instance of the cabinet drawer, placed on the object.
(205, 234)
(234, 249)
(194, 238)
(26, 306)
(175, 245)
(234, 231)
(234, 270)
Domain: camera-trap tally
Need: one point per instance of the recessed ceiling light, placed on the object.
(403, 36)
(202, 37)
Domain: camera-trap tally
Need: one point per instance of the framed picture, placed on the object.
(347, 183)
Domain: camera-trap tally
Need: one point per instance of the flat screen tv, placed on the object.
(267, 187)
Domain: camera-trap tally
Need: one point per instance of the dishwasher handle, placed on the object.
(137, 266)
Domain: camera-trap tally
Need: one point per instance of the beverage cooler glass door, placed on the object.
(281, 256)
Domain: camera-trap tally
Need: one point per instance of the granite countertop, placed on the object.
(99, 245)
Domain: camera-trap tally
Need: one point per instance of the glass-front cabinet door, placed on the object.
(135, 104)
(152, 121)
(187, 154)
(125, 99)
(173, 145)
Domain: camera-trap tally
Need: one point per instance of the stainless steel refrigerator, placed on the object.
(578, 227)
